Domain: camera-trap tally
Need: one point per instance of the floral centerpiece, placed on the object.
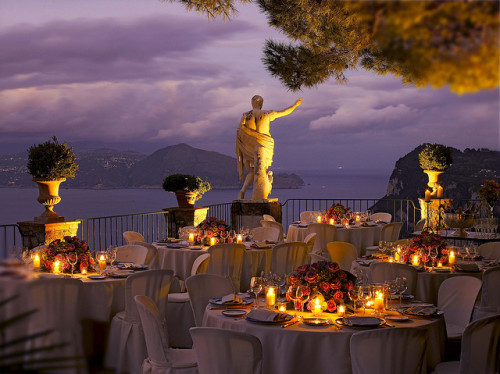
(489, 192)
(323, 280)
(422, 244)
(70, 248)
(338, 212)
(211, 228)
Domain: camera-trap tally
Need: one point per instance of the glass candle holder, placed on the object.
(282, 306)
(317, 307)
(271, 292)
(101, 261)
(379, 298)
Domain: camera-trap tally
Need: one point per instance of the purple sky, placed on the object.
(144, 74)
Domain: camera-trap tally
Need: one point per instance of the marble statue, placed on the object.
(255, 147)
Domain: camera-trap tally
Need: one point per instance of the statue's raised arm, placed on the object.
(287, 111)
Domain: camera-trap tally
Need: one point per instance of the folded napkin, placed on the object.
(261, 244)
(231, 299)
(422, 310)
(267, 315)
(361, 321)
(467, 267)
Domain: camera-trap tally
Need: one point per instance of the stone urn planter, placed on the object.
(434, 180)
(185, 199)
(49, 196)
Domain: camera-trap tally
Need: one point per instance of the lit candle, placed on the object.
(84, 271)
(55, 269)
(451, 258)
(391, 259)
(317, 308)
(36, 262)
(440, 192)
(319, 219)
(358, 218)
(270, 297)
(346, 223)
(239, 239)
(102, 263)
(341, 310)
(332, 221)
(212, 241)
(440, 265)
(397, 255)
(427, 196)
(281, 307)
(379, 302)
(191, 238)
(416, 260)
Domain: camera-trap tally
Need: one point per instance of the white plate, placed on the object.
(234, 312)
(315, 321)
(397, 318)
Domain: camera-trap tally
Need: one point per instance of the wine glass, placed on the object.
(292, 295)
(402, 286)
(382, 246)
(365, 296)
(354, 295)
(111, 253)
(303, 293)
(433, 253)
(72, 259)
(223, 236)
(256, 286)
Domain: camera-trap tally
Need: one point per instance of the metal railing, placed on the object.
(10, 236)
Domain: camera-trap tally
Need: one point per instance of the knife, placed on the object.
(289, 323)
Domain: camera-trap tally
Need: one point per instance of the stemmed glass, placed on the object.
(72, 259)
(292, 294)
(111, 254)
(223, 236)
(433, 253)
(354, 295)
(393, 287)
(256, 286)
(402, 286)
(382, 246)
(303, 295)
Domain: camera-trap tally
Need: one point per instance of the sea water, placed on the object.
(19, 204)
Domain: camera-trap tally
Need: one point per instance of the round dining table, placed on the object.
(301, 348)
(358, 235)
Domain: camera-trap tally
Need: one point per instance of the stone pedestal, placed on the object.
(36, 233)
(436, 206)
(248, 213)
(181, 217)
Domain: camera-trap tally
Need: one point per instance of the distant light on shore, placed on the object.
(339, 167)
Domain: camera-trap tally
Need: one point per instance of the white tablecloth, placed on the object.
(360, 237)
(300, 349)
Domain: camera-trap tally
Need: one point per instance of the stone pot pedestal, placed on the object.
(181, 217)
(36, 233)
(248, 213)
(436, 206)
(48, 196)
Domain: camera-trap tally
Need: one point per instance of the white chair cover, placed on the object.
(133, 236)
(342, 253)
(381, 216)
(126, 348)
(419, 226)
(161, 359)
(480, 349)
(325, 234)
(386, 271)
(203, 287)
(200, 264)
(309, 216)
(286, 257)
(456, 297)
(397, 350)
(132, 253)
(490, 250)
(265, 233)
(57, 304)
(309, 240)
(152, 257)
(226, 260)
(490, 294)
(268, 217)
(318, 258)
(276, 225)
(390, 232)
(226, 351)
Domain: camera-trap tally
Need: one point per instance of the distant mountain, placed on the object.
(108, 168)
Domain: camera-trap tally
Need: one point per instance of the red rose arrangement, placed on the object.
(211, 228)
(69, 247)
(338, 212)
(421, 244)
(489, 192)
(324, 280)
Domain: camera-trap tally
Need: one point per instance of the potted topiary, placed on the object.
(187, 188)
(50, 163)
(435, 159)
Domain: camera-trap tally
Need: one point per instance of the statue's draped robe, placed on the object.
(248, 143)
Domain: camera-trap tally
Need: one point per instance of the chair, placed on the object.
(265, 233)
(161, 359)
(268, 217)
(57, 305)
(133, 236)
(419, 226)
(381, 216)
(132, 253)
(480, 349)
(203, 287)
(309, 216)
(276, 225)
(226, 260)
(402, 242)
(152, 257)
(226, 351)
(287, 257)
(386, 271)
(325, 234)
(490, 250)
(389, 233)
(126, 347)
(387, 351)
(309, 240)
(342, 253)
(490, 294)
(456, 298)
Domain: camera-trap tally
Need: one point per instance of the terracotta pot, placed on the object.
(185, 199)
(434, 180)
(48, 196)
